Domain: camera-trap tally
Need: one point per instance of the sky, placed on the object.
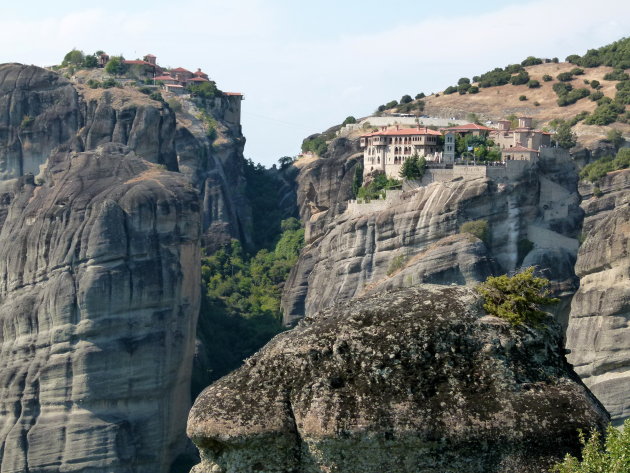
(305, 66)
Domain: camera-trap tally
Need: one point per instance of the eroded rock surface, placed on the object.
(598, 333)
(533, 220)
(415, 380)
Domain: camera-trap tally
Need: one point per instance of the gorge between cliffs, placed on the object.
(110, 199)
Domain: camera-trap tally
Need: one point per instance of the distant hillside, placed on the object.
(600, 87)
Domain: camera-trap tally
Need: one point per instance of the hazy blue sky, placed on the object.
(305, 66)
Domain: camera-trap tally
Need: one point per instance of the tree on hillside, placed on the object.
(406, 99)
(564, 137)
(73, 58)
(517, 298)
(349, 120)
(413, 167)
(115, 65)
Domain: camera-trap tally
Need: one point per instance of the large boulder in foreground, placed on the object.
(416, 380)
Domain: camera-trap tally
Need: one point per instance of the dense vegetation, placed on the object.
(317, 144)
(241, 306)
(262, 192)
(609, 455)
(377, 187)
(413, 167)
(615, 55)
(517, 298)
(596, 170)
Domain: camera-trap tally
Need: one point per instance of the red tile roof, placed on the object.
(165, 77)
(139, 62)
(180, 69)
(404, 132)
(149, 55)
(177, 86)
(200, 73)
(232, 93)
(470, 126)
(198, 79)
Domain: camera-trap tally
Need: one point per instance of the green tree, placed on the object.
(285, 162)
(608, 455)
(115, 65)
(531, 61)
(564, 137)
(518, 298)
(547, 78)
(413, 167)
(204, 90)
(73, 58)
(349, 120)
(406, 99)
(90, 62)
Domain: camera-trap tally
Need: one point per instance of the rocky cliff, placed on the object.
(598, 334)
(416, 380)
(100, 283)
(532, 220)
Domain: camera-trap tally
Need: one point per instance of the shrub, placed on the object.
(561, 89)
(572, 58)
(156, 96)
(615, 137)
(576, 71)
(594, 171)
(622, 96)
(204, 90)
(514, 68)
(450, 90)
(595, 96)
(406, 99)
(573, 96)
(376, 188)
(608, 455)
(555, 60)
(395, 264)
(349, 120)
(604, 114)
(617, 74)
(520, 78)
(109, 83)
(145, 90)
(547, 78)
(597, 192)
(564, 77)
(578, 118)
(531, 61)
(517, 298)
(536, 104)
(473, 89)
(315, 144)
(391, 104)
(477, 228)
(522, 98)
(463, 80)
(463, 88)
(533, 84)
(90, 62)
(93, 84)
(420, 96)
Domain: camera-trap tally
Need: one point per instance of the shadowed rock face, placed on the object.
(99, 290)
(598, 333)
(99, 295)
(415, 380)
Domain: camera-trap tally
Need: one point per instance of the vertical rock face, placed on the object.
(414, 380)
(99, 293)
(598, 333)
(99, 286)
(415, 239)
(39, 111)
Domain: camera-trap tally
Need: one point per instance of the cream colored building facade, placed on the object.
(387, 149)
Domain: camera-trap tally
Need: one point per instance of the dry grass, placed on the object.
(495, 103)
